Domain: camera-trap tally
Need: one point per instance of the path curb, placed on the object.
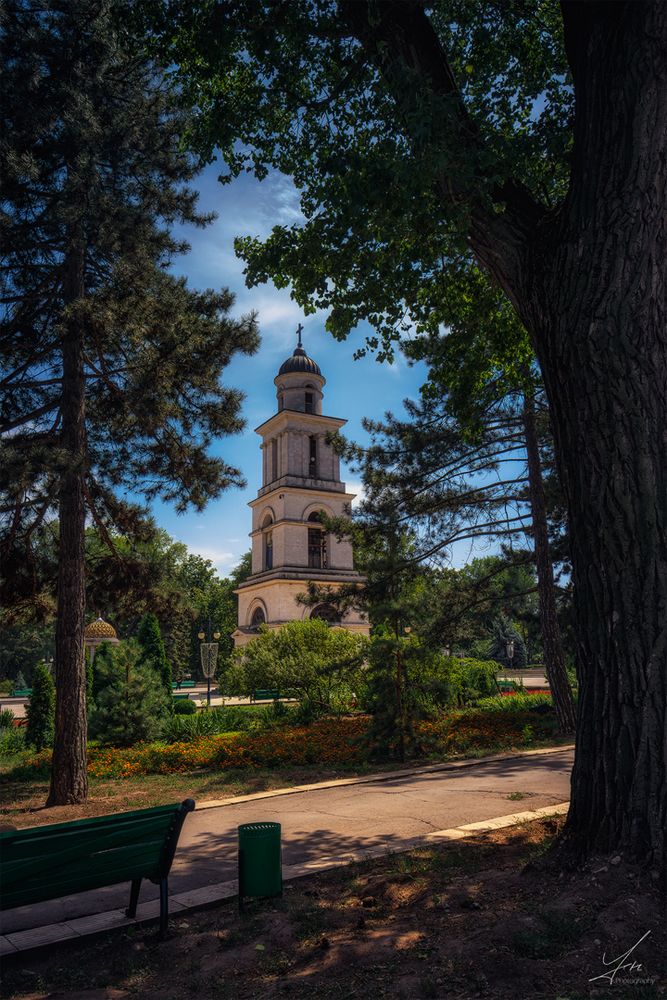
(21, 942)
(381, 776)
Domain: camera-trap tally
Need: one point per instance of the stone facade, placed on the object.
(300, 481)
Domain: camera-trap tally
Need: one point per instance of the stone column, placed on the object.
(284, 457)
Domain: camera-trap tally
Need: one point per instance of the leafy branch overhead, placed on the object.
(399, 129)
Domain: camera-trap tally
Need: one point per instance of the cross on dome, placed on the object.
(299, 331)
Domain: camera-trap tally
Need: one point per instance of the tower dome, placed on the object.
(299, 363)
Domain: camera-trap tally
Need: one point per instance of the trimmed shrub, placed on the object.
(471, 679)
(41, 713)
(305, 660)
(183, 707)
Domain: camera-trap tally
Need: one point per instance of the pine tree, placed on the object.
(504, 632)
(41, 709)
(110, 365)
(153, 653)
(131, 704)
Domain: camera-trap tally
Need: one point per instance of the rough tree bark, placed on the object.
(589, 282)
(601, 304)
(554, 660)
(69, 775)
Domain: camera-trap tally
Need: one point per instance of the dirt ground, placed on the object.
(486, 917)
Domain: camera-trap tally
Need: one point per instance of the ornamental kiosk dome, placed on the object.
(99, 629)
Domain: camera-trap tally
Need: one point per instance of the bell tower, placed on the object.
(300, 483)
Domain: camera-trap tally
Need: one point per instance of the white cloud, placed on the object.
(357, 488)
(223, 560)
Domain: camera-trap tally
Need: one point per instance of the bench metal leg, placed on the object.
(131, 911)
(164, 908)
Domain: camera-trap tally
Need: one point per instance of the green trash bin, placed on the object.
(260, 861)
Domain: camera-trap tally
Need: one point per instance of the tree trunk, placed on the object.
(589, 282)
(554, 660)
(69, 775)
(598, 299)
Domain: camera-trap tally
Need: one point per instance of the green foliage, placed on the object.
(214, 600)
(183, 707)
(402, 685)
(6, 687)
(542, 704)
(211, 722)
(471, 679)
(316, 92)
(153, 655)
(29, 635)
(102, 668)
(504, 632)
(90, 679)
(6, 718)
(12, 740)
(131, 703)
(430, 682)
(20, 681)
(41, 709)
(305, 660)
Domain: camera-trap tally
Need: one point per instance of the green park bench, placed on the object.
(507, 686)
(183, 684)
(46, 862)
(181, 697)
(265, 694)
(21, 693)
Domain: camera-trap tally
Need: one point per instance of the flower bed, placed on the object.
(332, 742)
(473, 730)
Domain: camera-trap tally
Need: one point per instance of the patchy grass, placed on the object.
(461, 920)
(22, 802)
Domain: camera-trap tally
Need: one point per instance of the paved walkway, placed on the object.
(335, 822)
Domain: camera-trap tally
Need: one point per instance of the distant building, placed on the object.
(300, 481)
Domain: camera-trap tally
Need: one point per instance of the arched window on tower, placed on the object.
(317, 543)
(309, 404)
(258, 618)
(267, 541)
(326, 613)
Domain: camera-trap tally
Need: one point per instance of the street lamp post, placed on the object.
(509, 649)
(208, 652)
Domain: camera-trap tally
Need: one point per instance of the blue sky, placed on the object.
(354, 389)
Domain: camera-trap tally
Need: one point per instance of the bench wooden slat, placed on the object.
(64, 858)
